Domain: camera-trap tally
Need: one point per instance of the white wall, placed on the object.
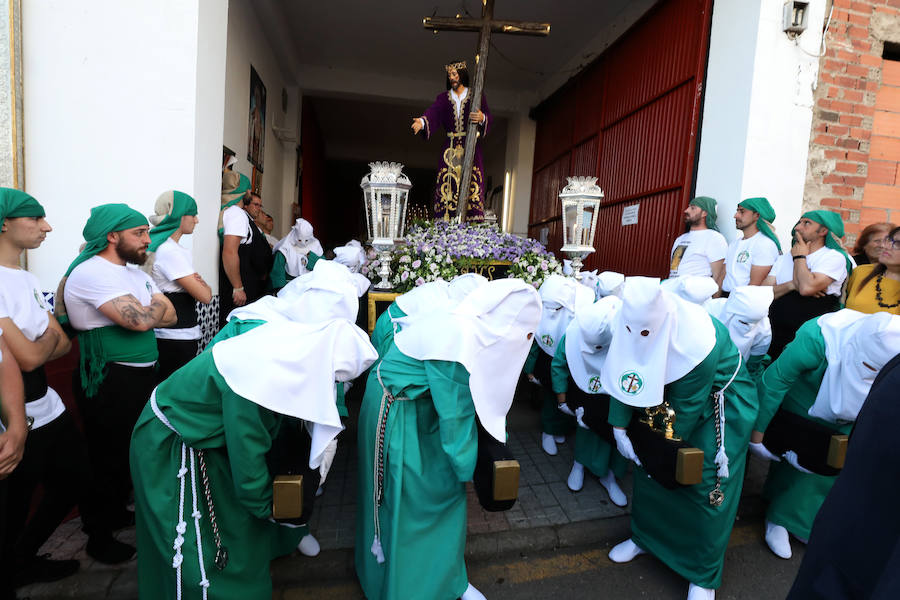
(248, 45)
(758, 110)
(121, 104)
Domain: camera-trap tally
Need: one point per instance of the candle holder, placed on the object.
(580, 204)
(385, 192)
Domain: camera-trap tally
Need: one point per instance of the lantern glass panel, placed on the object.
(384, 214)
(401, 215)
(587, 216)
(571, 223)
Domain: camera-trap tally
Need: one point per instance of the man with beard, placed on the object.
(452, 110)
(750, 258)
(701, 249)
(114, 307)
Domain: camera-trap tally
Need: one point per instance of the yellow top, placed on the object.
(864, 300)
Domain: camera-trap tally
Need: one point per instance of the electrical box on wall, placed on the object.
(795, 17)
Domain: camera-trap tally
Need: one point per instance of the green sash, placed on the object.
(112, 344)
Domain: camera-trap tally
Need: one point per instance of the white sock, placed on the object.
(472, 593)
(548, 444)
(625, 551)
(576, 477)
(695, 592)
(778, 540)
(612, 488)
(309, 546)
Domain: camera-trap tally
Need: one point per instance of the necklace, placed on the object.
(879, 297)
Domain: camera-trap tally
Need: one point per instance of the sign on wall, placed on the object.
(256, 136)
(630, 214)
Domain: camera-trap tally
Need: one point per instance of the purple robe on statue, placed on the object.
(443, 113)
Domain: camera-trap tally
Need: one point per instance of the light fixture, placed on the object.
(385, 191)
(580, 205)
(794, 17)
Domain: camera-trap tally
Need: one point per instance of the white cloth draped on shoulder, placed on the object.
(659, 338)
(857, 346)
(745, 314)
(488, 333)
(351, 255)
(693, 288)
(296, 245)
(303, 362)
(587, 342)
(561, 297)
(461, 285)
(433, 295)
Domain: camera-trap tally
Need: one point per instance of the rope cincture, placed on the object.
(716, 496)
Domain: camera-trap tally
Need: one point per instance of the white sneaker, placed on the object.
(548, 444)
(778, 540)
(559, 439)
(576, 477)
(695, 592)
(309, 546)
(625, 552)
(612, 488)
(472, 593)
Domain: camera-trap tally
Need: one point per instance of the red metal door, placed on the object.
(630, 119)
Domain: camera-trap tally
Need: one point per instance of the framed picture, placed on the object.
(256, 136)
(256, 181)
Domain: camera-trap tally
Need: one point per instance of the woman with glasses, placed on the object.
(867, 249)
(876, 287)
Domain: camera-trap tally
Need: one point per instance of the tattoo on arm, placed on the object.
(134, 314)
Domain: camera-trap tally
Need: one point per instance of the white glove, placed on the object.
(533, 379)
(761, 451)
(791, 457)
(565, 408)
(327, 459)
(623, 445)
(347, 386)
(579, 415)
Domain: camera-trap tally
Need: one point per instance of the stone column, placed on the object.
(12, 163)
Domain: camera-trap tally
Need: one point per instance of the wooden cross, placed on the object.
(485, 26)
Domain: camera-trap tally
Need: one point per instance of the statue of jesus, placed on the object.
(452, 111)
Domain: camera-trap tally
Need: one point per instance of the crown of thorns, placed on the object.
(457, 65)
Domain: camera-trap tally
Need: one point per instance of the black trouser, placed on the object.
(174, 354)
(109, 418)
(789, 312)
(56, 458)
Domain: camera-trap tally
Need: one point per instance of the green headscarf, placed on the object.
(170, 207)
(16, 203)
(232, 190)
(835, 225)
(104, 219)
(766, 217)
(709, 205)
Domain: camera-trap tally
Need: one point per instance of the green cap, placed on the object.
(766, 217)
(104, 219)
(172, 205)
(16, 203)
(709, 205)
(835, 225)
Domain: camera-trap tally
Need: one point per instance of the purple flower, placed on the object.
(404, 276)
(416, 264)
(419, 281)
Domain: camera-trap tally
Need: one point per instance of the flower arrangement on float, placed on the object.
(443, 250)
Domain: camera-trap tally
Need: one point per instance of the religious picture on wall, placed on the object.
(256, 181)
(256, 143)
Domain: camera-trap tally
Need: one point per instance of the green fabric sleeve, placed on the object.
(805, 353)
(531, 361)
(756, 365)
(340, 399)
(449, 385)
(559, 369)
(311, 259)
(247, 429)
(619, 414)
(278, 274)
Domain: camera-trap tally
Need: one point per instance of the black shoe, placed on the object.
(43, 569)
(122, 520)
(108, 550)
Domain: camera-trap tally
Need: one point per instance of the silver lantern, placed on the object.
(580, 204)
(385, 191)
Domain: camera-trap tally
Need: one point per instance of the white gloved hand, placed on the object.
(791, 457)
(563, 407)
(327, 459)
(533, 379)
(623, 445)
(761, 451)
(579, 415)
(347, 386)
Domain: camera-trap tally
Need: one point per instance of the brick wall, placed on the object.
(855, 139)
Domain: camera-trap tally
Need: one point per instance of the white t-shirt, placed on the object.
(236, 221)
(173, 261)
(824, 260)
(95, 282)
(756, 251)
(22, 301)
(693, 252)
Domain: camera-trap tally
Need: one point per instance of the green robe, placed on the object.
(235, 435)
(279, 275)
(792, 382)
(430, 447)
(680, 526)
(383, 333)
(591, 450)
(553, 420)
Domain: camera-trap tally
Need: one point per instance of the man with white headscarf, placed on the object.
(445, 373)
(295, 254)
(579, 358)
(745, 314)
(199, 451)
(823, 375)
(561, 298)
(668, 350)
